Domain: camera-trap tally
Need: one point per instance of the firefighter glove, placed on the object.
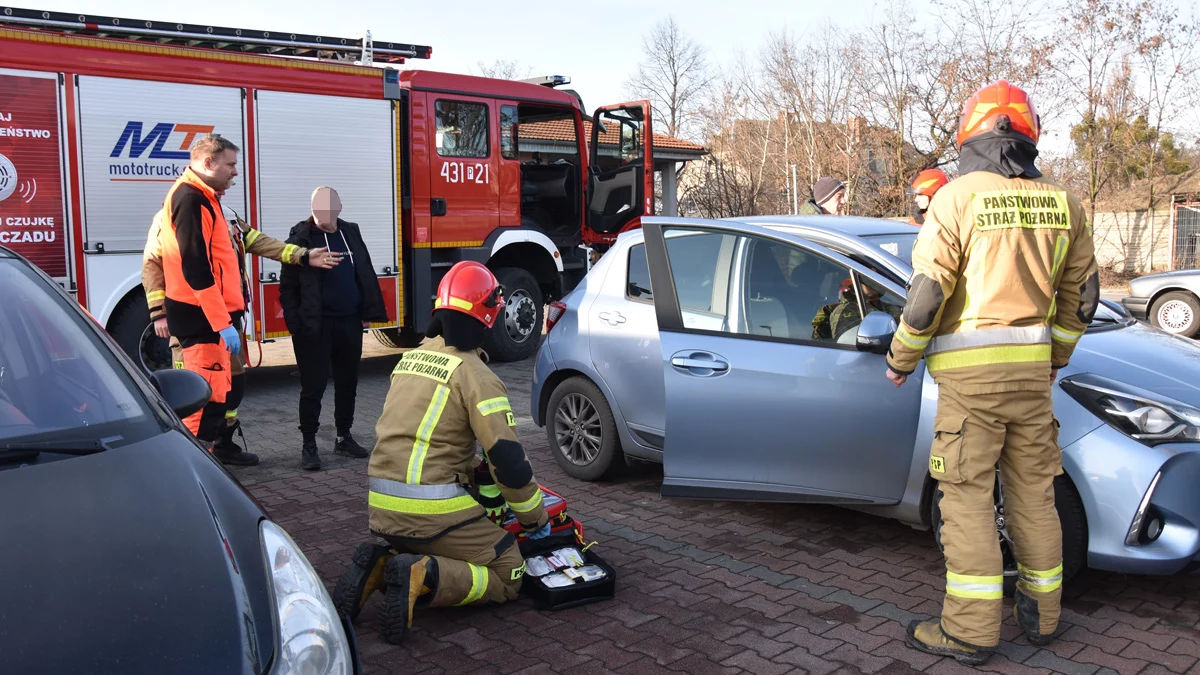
(233, 341)
(540, 532)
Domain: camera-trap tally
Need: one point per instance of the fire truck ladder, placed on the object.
(362, 50)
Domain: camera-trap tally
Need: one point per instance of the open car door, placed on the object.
(622, 170)
(774, 380)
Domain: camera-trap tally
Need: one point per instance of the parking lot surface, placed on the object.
(703, 587)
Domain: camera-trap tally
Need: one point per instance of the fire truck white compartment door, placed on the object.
(306, 141)
(136, 137)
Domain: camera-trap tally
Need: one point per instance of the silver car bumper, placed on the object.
(1142, 503)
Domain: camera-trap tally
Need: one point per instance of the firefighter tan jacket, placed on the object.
(441, 401)
(252, 241)
(1004, 284)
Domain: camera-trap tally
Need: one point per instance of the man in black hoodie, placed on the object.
(326, 311)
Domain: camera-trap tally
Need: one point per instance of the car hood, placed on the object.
(1167, 275)
(1144, 357)
(142, 558)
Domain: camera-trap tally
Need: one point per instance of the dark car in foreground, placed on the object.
(1168, 300)
(126, 548)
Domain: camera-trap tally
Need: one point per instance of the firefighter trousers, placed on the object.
(237, 384)
(972, 434)
(210, 361)
(477, 563)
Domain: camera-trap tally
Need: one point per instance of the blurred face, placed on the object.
(326, 205)
(218, 171)
(922, 202)
(836, 203)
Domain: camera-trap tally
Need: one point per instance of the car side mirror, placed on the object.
(875, 333)
(184, 391)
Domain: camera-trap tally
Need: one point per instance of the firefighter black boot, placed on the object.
(309, 459)
(1025, 610)
(361, 579)
(408, 577)
(229, 452)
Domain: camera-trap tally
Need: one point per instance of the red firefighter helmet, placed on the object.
(929, 181)
(999, 109)
(471, 288)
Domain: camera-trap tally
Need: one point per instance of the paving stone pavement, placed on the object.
(703, 587)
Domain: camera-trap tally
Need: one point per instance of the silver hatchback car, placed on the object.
(747, 356)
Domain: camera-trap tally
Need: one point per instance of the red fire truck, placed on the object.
(97, 115)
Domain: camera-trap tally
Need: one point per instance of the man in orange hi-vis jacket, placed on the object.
(204, 301)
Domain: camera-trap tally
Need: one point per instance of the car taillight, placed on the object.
(554, 312)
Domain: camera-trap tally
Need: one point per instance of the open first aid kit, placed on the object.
(561, 569)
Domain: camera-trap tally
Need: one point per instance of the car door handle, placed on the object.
(612, 318)
(691, 361)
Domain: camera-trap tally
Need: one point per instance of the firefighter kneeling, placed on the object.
(442, 549)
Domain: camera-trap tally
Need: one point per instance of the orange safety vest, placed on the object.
(200, 266)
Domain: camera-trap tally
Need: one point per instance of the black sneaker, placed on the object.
(309, 460)
(348, 446)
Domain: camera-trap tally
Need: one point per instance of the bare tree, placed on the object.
(1167, 51)
(504, 69)
(1090, 41)
(675, 75)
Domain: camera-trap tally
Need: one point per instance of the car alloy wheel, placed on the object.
(1176, 316)
(519, 316)
(577, 429)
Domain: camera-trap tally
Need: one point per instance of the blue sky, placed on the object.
(597, 44)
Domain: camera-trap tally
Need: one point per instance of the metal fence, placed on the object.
(1187, 236)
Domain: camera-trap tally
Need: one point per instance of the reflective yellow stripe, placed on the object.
(529, 504)
(455, 302)
(976, 284)
(253, 235)
(1060, 254)
(479, 584)
(975, 588)
(915, 341)
(988, 356)
(289, 253)
(1063, 335)
(494, 405)
(1040, 581)
(231, 414)
(433, 413)
(156, 296)
(489, 490)
(425, 507)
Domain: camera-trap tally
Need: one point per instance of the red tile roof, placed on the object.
(564, 130)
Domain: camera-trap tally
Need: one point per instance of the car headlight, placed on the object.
(1139, 414)
(311, 638)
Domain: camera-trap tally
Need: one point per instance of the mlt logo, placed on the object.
(158, 137)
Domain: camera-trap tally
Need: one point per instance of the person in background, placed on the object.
(828, 197)
(245, 240)
(326, 311)
(923, 188)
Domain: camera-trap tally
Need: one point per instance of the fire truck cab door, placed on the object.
(622, 167)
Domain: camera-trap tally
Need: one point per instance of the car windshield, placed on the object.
(57, 380)
(899, 244)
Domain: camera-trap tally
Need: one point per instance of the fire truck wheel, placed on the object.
(398, 339)
(517, 332)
